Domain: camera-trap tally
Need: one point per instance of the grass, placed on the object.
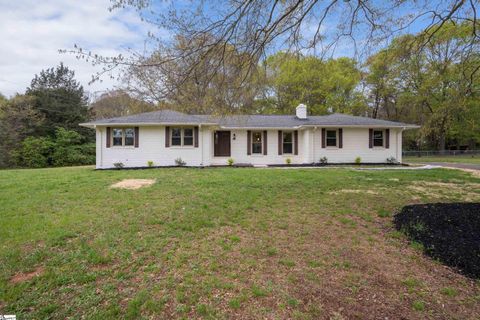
(223, 243)
(473, 159)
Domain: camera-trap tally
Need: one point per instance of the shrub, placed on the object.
(230, 161)
(34, 152)
(288, 161)
(118, 165)
(323, 160)
(70, 149)
(392, 160)
(179, 162)
(150, 163)
(66, 148)
(358, 160)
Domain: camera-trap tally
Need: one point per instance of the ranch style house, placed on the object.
(165, 138)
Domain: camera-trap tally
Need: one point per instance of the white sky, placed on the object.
(32, 32)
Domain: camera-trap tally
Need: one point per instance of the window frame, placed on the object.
(383, 138)
(336, 138)
(182, 137)
(252, 142)
(292, 143)
(123, 137)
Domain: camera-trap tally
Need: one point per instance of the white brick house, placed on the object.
(161, 137)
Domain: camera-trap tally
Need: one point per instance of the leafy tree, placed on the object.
(3, 99)
(18, 120)
(60, 99)
(438, 88)
(323, 85)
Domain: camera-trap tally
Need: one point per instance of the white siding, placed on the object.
(240, 156)
(356, 144)
(152, 148)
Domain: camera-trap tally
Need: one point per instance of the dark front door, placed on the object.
(221, 144)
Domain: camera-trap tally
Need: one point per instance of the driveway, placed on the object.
(470, 166)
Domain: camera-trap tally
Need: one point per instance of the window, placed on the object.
(257, 142)
(331, 138)
(123, 137)
(378, 138)
(188, 137)
(176, 137)
(117, 137)
(129, 136)
(182, 137)
(287, 142)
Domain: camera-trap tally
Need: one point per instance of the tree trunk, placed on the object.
(441, 142)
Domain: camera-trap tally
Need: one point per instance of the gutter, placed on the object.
(145, 124)
(148, 124)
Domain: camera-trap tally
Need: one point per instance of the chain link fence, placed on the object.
(432, 153)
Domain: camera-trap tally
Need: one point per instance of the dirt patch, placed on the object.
(448, 232)
(133, 184)
(22, 277)
(439, 190)
(353, 191)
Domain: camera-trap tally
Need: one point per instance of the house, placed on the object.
(159, 138)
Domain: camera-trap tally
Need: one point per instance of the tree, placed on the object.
(324, 86)
(438, 88)
(220, 82)
(60, 99)
(18, 119)
(118, 103)
(3, 99)
(257, 27)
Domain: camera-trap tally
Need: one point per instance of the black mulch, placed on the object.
(449, 232)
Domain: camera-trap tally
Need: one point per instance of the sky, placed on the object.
(32, 32)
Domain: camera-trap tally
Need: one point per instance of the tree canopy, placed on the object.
(325, 86)
(59, 98)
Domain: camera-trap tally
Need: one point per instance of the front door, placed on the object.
(221, 144)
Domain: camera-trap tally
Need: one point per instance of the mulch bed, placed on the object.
(449, 232)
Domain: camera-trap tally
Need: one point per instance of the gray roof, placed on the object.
(247, 121)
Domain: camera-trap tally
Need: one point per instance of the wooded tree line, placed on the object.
(40, 128)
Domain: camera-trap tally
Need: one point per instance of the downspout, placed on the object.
(399, 145)
(313, 144)
(101, 147)
(201, 143)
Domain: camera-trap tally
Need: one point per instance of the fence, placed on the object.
(432, 153)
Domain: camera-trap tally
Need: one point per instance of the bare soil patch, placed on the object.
(133, 184)
(22, 277)
(353, 191)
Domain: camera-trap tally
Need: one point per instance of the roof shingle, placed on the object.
(247, 121)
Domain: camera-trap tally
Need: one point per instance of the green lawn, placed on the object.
(474, 159)
(224, 243)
